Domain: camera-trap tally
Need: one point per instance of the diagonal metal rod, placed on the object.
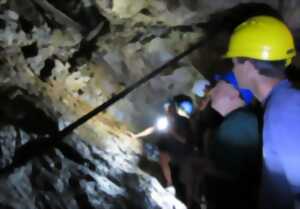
(35, 148)
(126, 91)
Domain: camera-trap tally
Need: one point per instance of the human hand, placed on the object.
(171, 189)
(225, 98)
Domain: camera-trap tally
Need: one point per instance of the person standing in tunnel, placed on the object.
(233, 147)
(174, 133)
(178, 150)
(261, 49)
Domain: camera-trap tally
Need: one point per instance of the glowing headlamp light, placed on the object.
(162, 124)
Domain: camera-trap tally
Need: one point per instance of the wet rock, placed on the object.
(79, 175)
(17, 108)
(8, 145)
(71, 173)
(127, 9)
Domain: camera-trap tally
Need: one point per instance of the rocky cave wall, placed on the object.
(67, 57)
(89, 50)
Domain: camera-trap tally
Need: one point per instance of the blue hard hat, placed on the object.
(182, 102)
(186, 106)
(246, 94)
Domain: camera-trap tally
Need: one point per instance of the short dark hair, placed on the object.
(273, 69)
(182, 98)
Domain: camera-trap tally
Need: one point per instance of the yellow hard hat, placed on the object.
(262, 38)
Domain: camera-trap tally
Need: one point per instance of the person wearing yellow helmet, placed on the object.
(261, 49)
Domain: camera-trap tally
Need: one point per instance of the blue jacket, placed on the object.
(281, 147)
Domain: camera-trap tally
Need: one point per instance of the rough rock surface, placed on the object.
(68, 62)
(77, 175)
(91, 49)
(72, 56)
(74, 173)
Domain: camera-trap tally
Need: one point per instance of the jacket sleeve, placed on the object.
(287, 144)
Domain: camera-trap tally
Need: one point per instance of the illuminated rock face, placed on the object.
(91, 65)
(71, 56)
(78, 175)
(90, 50)
(74, 173)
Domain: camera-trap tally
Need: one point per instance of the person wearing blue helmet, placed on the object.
(178, 150)
(184, 105)
(234, 148)
(175, 136)
(229, 77)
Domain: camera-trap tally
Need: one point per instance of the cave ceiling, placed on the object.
(74, 55)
